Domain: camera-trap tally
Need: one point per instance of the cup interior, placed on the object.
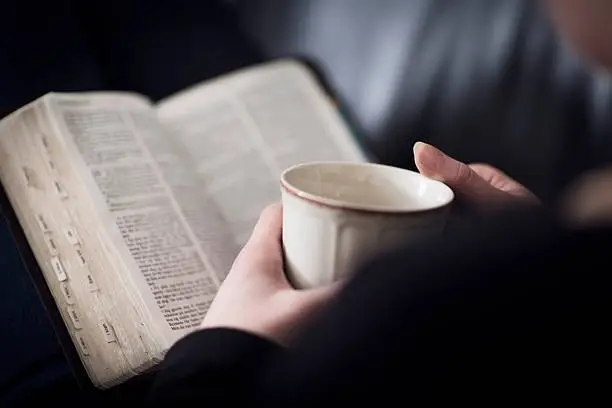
(366, 186)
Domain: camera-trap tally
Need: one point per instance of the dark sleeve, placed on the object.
(213, 365)
(509, 308)
(501, 309)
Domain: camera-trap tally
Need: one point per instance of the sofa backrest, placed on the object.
(485, 80)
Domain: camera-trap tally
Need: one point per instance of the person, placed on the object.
(510, 307)
(503, 310)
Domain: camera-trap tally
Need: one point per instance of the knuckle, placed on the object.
(464, 173)
(482, 166)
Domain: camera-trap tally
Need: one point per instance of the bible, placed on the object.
(135, 211)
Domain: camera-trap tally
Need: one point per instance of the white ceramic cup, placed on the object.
(336, 215)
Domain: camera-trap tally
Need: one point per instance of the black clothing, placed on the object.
(513, 308)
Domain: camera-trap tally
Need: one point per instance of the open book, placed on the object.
(135, 212)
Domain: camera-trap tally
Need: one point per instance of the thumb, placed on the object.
(263, 251)
(267, 231)
(434, 164)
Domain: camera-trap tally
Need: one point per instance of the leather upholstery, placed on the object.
(485, 80)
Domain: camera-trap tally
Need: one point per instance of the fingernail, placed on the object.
(418, 146)
(428, 158)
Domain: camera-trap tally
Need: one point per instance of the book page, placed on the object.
(241, 131)
(173, 262)
(67, 232)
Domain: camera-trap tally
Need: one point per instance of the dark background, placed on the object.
(485, 80)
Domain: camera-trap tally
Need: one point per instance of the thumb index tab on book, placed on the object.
(61, 191)
(58, 268)
(72, 235)
(42, 223)
(30, 177)
(91, 283)
(82, 260)
(108, 332)
(82, 344)
(47, 150)
(67, 292)
(75, 316)
(51, 245)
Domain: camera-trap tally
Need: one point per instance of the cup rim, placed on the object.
(371, 208)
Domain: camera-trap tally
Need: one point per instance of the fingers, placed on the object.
(502, 181)
(466, 182)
